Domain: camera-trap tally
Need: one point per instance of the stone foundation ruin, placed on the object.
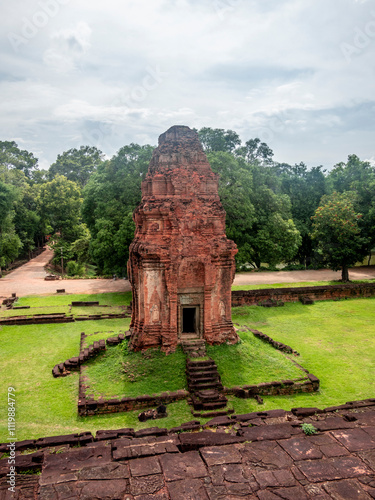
(181, 264)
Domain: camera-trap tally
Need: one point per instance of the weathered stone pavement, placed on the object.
(257, 456)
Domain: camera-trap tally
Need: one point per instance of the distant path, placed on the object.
(29, 279)
(269, 277)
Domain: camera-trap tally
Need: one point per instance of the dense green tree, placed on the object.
(110, 197)
(255, 152)
(337, 232)
(305, 188)
(10, 243)
(14, 158)
(218, 139)
(235, 187)
(258, 219)
(77, 165)
(60, 203)
(358, 177)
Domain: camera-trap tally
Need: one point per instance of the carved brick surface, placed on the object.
(181, 263)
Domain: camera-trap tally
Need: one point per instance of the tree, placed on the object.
(258, 220)
(77, 165)
(26, 217)
(256, 151)
(218, 139)
(13, 157)
(274, 237)
(358, 177)
(10, 243)
(110, 197)
(305, 189)
(60, 203)
(337, 232)
(235, 188)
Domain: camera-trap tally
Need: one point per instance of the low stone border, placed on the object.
(88, 406)
(85, 438)
(39, 319)
(74, 363)
(79, 303)
(329, 292)
(282, 388)
(277, 345)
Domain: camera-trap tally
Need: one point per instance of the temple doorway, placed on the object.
(190, 322)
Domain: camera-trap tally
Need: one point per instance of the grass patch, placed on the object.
(251, 362)
(296, 284)
(85, 311)
(46, 406)
(336, 341)
(8, 313)
(92, 337)
(110, 299)
(114, 304)
(119, 372)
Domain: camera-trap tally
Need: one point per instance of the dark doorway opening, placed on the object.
(188, 320)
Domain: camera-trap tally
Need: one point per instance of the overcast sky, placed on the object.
(298, 74)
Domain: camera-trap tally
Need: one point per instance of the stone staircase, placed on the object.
(204, 382)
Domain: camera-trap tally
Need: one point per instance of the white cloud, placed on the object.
(68, 46)
(271, 67)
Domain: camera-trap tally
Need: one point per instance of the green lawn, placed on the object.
(8, 313)
(113, 303)
(119, 373)
(110, 299)
(295, 285)
(336, 341)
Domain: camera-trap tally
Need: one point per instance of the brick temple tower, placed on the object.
(181, 264)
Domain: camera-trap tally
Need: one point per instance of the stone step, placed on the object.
(187, 342)
(198, 365)
(205, 374)
(209, 395)
(207, 385)
(214, 405)
(220, 402)
(185, 337)
(212, 414)
(196, 379)
(195, 384)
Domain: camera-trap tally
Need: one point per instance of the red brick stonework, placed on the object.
(181, 263)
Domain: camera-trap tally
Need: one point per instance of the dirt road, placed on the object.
(29, 279)
(355, 273)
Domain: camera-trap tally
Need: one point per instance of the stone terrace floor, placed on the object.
(259, 456)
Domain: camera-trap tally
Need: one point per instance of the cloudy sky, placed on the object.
(298, 74)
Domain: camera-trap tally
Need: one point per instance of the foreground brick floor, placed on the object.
(264, 456)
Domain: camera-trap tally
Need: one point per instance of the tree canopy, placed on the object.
(337, 232)
(275, 212)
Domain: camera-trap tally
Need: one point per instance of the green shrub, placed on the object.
(73, 268)
(308, 429)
